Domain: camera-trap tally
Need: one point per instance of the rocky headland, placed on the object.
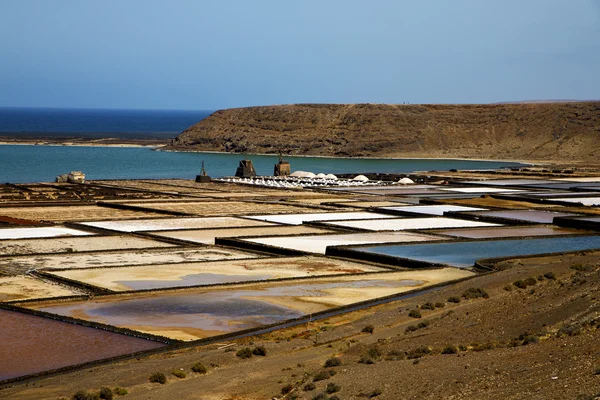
(564, 132)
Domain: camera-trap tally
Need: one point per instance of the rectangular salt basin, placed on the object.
(319, 243)
(481, 189)
(40, 232)
(512, 231)
(23, 287)
(464, 254)
(207, 236)
(223, 208)
(203, 312)
(510, 182)
(72, 213)
(586, 201)
(210, 273)
(400, 224)
(164, 224)
(20, 264)
(33, 344)
(76, 244)
(299, 219)
(436, 209)
(535, 216)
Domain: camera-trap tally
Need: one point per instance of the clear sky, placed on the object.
(196, 54)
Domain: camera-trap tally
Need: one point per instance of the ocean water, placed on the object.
(96, 123)
(31, 163)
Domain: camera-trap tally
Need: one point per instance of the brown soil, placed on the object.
(536, 343)
(550, 131)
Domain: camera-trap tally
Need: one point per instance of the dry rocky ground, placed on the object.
(536, 131)
(533, 334)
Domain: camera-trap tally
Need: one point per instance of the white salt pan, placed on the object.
(43, 232)
(166, 224)
(433, 209)
(399, 224)
(298, 219)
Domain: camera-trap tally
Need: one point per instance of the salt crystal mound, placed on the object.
(331, 176)
(320, 175)
(406, 181)
(360, 178)
(41, 232)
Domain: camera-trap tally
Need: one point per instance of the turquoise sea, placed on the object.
(31, 163)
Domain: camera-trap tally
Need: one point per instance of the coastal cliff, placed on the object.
(567, 131)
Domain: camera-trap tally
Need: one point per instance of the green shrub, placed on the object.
(530, 281)
(414, 314)
(158, 377)
(246, 352)
(582, 268)
(368, 329)
(322, 375)
(179, 374)
(550, 275)
(119, 391)
(199, 368)
(440, 305)
(508, 288)
(462, 347)
(333, 362)
(86, 395)
(428, 306)
(475, 293)
(410, 328)
(419, 352)
(374, 352)
(332, 388)
(454, 299)
(106, 393)
(309, 386)
(450, 349)
(259, 351)
(287, 388)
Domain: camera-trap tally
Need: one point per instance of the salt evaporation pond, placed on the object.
(299, 219)
(511, 231)
(534, 216)
(464, 254)
(400, 224)
(434, 209)
(193, 314)
(41, 232)
(33, 344)
(164, 224)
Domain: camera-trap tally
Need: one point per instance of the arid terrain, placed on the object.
(533, 131)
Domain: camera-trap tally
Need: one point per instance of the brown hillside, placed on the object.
(547, 131)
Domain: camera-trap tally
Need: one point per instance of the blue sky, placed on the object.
(194, 54)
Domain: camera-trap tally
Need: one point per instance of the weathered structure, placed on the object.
(72, 177)
(282, 168)
(245, 169)
(203, 177)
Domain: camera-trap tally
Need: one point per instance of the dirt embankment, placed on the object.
(547, 131)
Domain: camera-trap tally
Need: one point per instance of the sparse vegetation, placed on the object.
(530, 281)
(333, 362)
(520, 284)
(199, 368)
(366, 360)
(582, 267)
(440, 305)
(419, 352)
(179, 374)
(322, 375)
(410, 328)
(287, 388)
(454, 299)
(158, 377)
(106, 393)
(450, 349)
(414, 314)
(475, 293)
(423, 324)
(332, 388)
(246, 352)
(309, 386)
(508, 288)
(368, 329)
(530, 339)
(119, 391)
(550, 275)
(375, 393)
(86, 395)
(320, 396)
(428, 306)
(259, 351)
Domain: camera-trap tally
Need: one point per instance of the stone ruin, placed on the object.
(245, 169)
